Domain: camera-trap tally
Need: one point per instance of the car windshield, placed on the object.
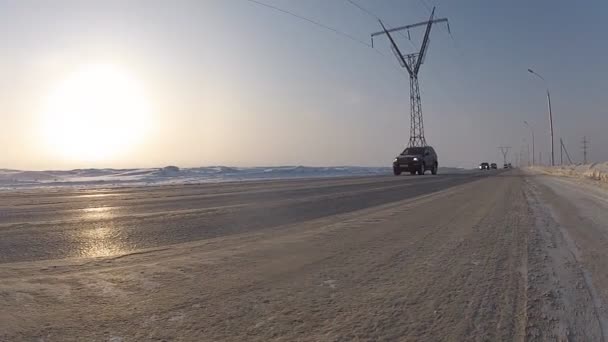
(413, 150)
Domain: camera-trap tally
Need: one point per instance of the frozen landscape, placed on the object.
(11, 179)
(291, 170)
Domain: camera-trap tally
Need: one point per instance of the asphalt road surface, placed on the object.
(57, 224)
(487, 256)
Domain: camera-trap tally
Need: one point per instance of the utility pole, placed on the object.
(561, 152)
(565, 150)
(532, 131)
(551, 123)
(412, 63)
(585, 146)
(505, 151)
(520, 158)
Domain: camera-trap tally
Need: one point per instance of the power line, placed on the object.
(370, 13)
(462, 60)
(449, 31)
(428, 8)
(314, 22)
(363, 9)
(329, 28)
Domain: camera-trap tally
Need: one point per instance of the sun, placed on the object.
(97, 113)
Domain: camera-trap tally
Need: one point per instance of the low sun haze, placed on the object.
(233, 82)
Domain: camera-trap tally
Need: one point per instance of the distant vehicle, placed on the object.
(493, 166)
(506, 166)
(416, 160)
(484, 166)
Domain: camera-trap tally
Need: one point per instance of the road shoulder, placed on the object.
(570, 258)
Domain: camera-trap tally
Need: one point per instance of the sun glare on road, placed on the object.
(99, 238)
(96, 113)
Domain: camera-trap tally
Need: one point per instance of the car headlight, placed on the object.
(396, 160)
(415, 159)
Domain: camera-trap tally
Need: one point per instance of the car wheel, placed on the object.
(434, 169)
(396, 171)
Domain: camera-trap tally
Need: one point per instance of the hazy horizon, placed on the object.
(129, 84)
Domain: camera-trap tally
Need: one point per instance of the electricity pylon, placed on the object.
(505, 151)
(412, 63)
(585, 147)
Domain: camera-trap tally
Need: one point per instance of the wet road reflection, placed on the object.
(98, 239)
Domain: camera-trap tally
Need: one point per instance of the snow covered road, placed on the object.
(37, 224)
(484, 256)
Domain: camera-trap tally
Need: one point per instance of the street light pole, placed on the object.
(532, 131)
(550, 114)
(551, 123)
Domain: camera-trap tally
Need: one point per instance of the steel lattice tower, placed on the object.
(412, 63)
(416, 124)
(505, 151)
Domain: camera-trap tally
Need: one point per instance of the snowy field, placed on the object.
(12, 179)
(172, 175)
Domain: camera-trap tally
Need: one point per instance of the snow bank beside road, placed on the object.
(595, 171)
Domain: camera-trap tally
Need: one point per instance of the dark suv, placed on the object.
(416, 160)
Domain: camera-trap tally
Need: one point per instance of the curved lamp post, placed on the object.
(550, 114)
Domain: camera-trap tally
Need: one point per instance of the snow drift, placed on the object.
(595, 171)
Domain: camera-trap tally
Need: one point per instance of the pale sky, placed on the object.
(229, 82)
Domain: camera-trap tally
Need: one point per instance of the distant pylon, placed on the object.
(585, 146)
(505, 151)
